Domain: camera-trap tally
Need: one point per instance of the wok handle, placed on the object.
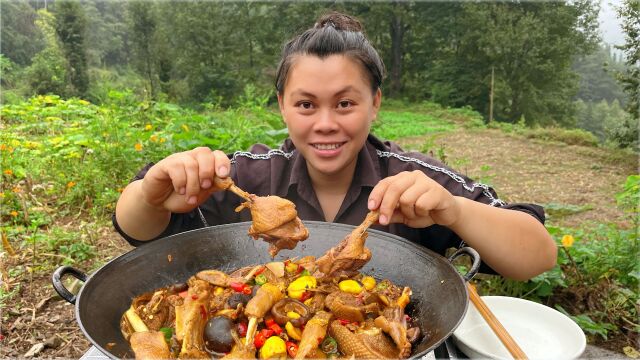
(475, 258)
(59, 286)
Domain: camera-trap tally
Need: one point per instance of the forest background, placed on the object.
(92, 90)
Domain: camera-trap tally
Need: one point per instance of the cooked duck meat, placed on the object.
(392, 322)
(241, 350)
(157, 312)
(217, 278)
(276, 221)
(314, 331)
(191, 318)
(349, 255)
(266, 297)
(349, 307)
(149, 345)
(362, 345)
(317, 302)
(413, 334)
(294, 310)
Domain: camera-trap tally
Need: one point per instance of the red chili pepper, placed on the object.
(306, 296)
(267, 333)
(194, 297)
(276, 328)
(299, 269)
(247, 290)
(236, 286)
(292, 349)
(269, 322)
(242, 329)
(344, 321)
(259, 340)
(260, 271)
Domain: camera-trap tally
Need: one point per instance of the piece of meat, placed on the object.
(149, 345)
(265, 298)
(276, 221)
(218, 278)
(314, 331)
(157, 312)
(240, 349)
(349, 255)
(392, 322)
(347, 306)
(362, 345)
(191, 318)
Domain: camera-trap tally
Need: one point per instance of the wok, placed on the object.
(439, 300)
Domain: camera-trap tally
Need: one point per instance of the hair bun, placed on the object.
(339, 21)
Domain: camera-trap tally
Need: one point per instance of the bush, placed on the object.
(567, 136)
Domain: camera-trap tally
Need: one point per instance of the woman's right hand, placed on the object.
(182, 181)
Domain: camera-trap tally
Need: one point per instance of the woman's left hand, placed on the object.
(414, 199)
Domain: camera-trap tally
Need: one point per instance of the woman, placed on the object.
(328, 85)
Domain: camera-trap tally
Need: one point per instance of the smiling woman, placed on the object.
(329, 92)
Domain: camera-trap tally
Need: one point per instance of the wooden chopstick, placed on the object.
(495, 325)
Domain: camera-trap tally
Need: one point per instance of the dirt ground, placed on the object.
(38, 323)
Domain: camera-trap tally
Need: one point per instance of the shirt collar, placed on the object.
(367, 173)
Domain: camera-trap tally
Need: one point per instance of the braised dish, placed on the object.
(285, 309)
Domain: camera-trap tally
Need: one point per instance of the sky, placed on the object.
(610, 24)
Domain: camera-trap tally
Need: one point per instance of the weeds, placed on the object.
(601, 259)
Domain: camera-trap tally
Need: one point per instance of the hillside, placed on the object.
(578, 185)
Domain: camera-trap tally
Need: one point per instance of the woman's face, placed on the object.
(328, 107)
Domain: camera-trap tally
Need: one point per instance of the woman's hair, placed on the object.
(332, 34)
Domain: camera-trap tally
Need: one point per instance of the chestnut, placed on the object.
(217, 335)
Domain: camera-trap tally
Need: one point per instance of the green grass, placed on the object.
(392, 125)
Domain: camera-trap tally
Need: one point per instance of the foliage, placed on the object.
(21, 38)
(70, 27)
(629, 13)
(86, 153)
(48, 70)
(394, 125)
(597, 72)
(602, 257)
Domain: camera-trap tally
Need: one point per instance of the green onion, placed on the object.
(261, 279)
(329, 345)
(168, 332)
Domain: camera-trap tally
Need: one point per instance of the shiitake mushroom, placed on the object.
(241, 298)
(280, 309)
(217, 335)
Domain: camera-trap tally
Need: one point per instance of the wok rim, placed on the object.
(421, 251)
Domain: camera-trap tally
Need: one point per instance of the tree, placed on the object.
(48, 70)
(626, 131)
(143, 26)
(629, 13)
(70, 27)
(597, 76)
(21, 38)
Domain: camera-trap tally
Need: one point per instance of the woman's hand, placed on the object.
(182, 181)
(414, 199)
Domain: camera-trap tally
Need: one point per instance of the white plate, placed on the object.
(541, 332)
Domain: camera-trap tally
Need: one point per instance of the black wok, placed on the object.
(439, 299)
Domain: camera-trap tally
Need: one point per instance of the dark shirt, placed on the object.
(283, 172)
